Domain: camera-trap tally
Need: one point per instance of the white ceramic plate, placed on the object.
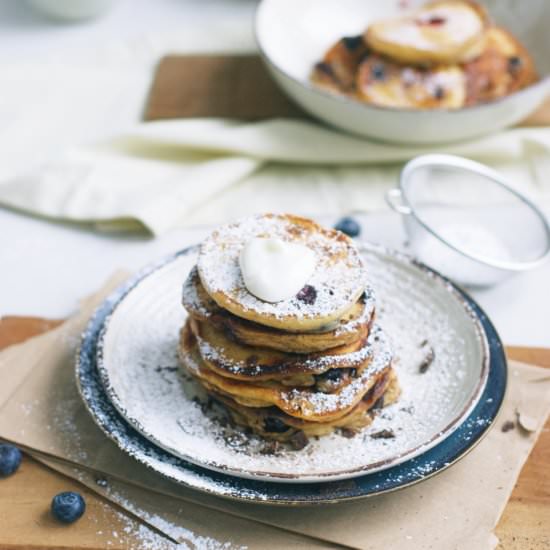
(137, 361)
(294, 34)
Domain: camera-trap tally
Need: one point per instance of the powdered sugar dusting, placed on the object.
(140, 363)
(138, 536)
(366, 315)
(191, 299)
(338, 278)
(380, 353)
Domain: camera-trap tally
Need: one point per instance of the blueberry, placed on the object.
(514, 63)
(324, 68)
(439, 92)
(308, 295)
(352, 42)
(68, 507)
(378, 72)
(436, 20)
(348, 226)
(10, 459)
(274, 424)
(332, 375)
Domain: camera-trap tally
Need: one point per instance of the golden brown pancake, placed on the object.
(333, 289)
(383, 82)
(254, 364)
(267, 369)
(336, 72)
(442, 32)
(300, 402)
(272, 423)
(504, 67)
(353, 326)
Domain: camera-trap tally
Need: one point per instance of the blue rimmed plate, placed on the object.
(395, 464)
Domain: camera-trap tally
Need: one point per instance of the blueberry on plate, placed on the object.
(274, 424)
(349, 226)
(10, 459)
(67, 507)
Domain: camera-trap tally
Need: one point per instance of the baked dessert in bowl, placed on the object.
(450, 69)
(289, 352)
(446, 55)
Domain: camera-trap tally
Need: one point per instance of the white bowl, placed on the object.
(293, 35)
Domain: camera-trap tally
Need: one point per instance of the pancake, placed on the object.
(336, 72)
(442, 32)
(233, 360)
(262, 367)
(331, 292)
(288, 370)
(272, 423)
(299, 402)
(383, 82)
(504, 67)
(352, 327)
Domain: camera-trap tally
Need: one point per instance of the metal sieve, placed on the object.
(464, 219)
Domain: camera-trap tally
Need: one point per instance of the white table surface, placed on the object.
(45, 268)
(26, 34)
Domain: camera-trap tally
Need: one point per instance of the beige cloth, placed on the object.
(168, 174)
(456, 509)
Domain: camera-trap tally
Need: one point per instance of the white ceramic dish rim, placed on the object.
(330, 476)
(542, 83)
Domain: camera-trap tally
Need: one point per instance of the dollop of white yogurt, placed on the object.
(274, 270)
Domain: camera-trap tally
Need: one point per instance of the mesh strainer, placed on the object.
(466, 221)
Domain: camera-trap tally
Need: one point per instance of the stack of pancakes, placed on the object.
(304, 366)
(446, 55)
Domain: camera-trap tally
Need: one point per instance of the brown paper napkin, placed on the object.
(457, 508)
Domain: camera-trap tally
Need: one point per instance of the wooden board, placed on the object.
(232, 86)
(26, 522)
(216, 86)
(25, 497)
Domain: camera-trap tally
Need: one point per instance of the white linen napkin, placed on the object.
(168, 174)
